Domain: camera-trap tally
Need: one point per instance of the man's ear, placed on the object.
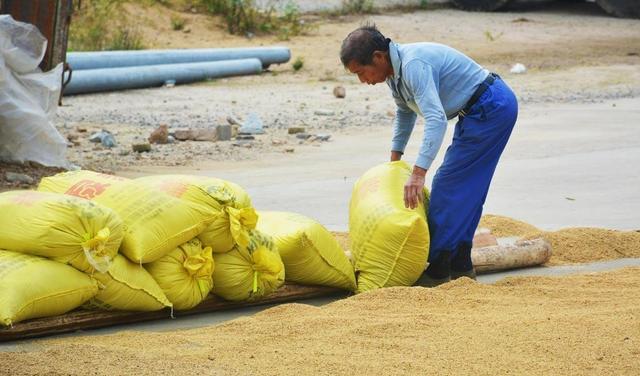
(380, 57)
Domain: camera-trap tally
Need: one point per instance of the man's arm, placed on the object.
(420, 79)
(402, 127)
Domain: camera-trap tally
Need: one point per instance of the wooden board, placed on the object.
(82, 319)
(487, 259)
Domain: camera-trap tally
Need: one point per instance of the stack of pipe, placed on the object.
(120, 70)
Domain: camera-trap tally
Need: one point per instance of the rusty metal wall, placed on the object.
(52, 17)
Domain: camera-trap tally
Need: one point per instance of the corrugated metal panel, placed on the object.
(52, 17)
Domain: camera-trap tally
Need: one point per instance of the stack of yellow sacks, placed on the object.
(247, 265)
(154, 225)
(100, 241)
(50, 245)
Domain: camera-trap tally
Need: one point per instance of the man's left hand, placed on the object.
(414, 188)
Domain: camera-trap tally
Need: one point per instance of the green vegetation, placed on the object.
(104, 24)
(367, 7)
(357, 6)
(95, 27)
(245, 17)
(491, 37)
(298, 63)
(125, 39)
(178, 23)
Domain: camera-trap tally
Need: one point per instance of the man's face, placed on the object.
(373, 73)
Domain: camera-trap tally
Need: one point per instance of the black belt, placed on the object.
(479, 91)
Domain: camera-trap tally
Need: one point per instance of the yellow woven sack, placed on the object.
(310, 254)
(236, 215)
(155, 223)
(185, 274)
(32, 287)
(68, 229)
(248, 273)
(127, 287)
(390, 243)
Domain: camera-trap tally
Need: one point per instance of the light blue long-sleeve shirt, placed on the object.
(433, 81)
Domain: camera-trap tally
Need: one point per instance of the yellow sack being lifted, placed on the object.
(127, 287)
(32, 286)
(236, 215)
(68, 229)
(310, 254)
(390, 243)
(155, 223)
(248, 273)
(185, 274)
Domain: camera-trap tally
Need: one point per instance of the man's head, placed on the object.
(365, 52)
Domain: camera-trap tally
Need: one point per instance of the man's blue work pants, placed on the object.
(460, 185)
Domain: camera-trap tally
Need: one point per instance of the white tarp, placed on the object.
(28, 97)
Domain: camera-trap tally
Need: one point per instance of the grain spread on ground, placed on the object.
(571, 245)
(585, 324)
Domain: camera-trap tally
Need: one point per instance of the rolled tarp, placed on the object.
(111, 79)
(117, 59)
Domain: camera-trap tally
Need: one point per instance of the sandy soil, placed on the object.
(588, 325)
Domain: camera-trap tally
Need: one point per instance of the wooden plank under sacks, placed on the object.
(487, 257)
(82, 319)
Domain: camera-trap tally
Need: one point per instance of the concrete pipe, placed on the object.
(117, 59)
(96, 80)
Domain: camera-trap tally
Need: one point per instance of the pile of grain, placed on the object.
(505, 227)
(571, 245)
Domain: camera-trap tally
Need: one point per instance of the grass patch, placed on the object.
(298, 64)
(245, 17)
(99, 25)
(178, 23)
(357, 6)
(361, 7)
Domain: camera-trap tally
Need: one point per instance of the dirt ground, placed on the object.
(574, 54)
(587, 325)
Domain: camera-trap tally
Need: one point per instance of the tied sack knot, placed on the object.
(200, 265)
(95, 250)
(241, 222)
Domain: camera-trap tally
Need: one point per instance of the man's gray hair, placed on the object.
(361, 43)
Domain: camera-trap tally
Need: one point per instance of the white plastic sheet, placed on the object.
(28, 97)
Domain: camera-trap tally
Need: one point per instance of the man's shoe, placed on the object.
(458, 274)
(461, 264)
(426, 280)
(438, 271)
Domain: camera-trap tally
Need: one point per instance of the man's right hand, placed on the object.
(396, 156)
